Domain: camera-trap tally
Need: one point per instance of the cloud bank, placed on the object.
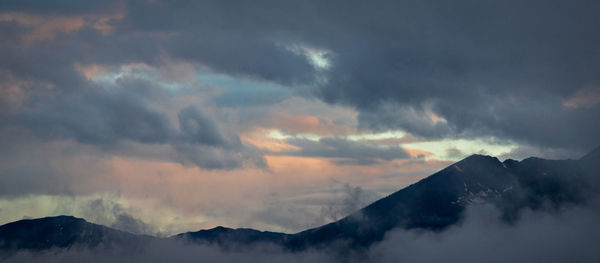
(568, 234)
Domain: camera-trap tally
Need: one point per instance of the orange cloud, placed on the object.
(306, 124)
(90, 72)
(416, 152)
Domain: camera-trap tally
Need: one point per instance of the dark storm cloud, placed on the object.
(485, 68)
(488, 68)
(246, 39)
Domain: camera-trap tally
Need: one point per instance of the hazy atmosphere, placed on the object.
(161, 117)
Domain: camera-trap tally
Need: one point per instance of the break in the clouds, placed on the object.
(126, 96)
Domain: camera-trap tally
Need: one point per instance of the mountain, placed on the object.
(439, 200)
(62, 232)
(224, 236)
(432, 204)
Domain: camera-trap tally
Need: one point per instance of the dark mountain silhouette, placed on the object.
(224, 236)
(62, 232)
(439, 200)
(432, 204)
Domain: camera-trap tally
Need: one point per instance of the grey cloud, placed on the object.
(416, 120)
(218, 158)
(523, 152)
(219, 150)
(129, 111)
(95, 116)
(488, 68)
(196, 127)
(305, 210)
(562, 236)
(467, 59)
(111, 213)
(170, 250)
(352, 199)
(365, 162)
(243, 55)
(358, 152)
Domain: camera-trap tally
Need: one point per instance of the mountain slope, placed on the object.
(438, 201)
(61, 232)
(432, 203)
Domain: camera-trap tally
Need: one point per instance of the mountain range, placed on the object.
(431, 204)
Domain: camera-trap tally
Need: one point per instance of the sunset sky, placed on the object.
(161, 117)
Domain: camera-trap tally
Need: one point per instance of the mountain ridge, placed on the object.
(433, 204)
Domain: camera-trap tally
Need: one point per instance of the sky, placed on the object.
(160, 117)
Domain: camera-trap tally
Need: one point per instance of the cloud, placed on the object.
(570, 234)
(359, 152)
(479, 83)
(98, 116)
(196, 127)
(584, 98)
(167, 250)
(550, 237)
(111, 213)
(353, 199)
(462, 69)
(130, 111)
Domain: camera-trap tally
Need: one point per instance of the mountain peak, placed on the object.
(479, 159)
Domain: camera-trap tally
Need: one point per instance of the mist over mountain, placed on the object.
(476, 209)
